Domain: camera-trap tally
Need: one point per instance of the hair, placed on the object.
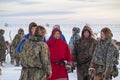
(20, 31)
(107, 32)
(40, 31)
(32, 24)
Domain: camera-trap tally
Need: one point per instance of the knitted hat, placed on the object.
(76, 29)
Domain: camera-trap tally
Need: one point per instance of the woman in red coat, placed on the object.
(59, 53)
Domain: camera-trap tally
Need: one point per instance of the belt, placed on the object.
(61, 62)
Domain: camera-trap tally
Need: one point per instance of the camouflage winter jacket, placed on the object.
(16, 40)
(35, 54)
(105, 55)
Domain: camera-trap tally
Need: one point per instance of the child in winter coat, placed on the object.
(59, 53)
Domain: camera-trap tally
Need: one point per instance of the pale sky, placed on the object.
(60, 11)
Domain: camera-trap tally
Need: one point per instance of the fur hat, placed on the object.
(32, 24)
(107, 32)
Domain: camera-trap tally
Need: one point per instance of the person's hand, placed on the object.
(91, 72)
(92, 65)
(107, 74)
(74, 64)
(49, 74)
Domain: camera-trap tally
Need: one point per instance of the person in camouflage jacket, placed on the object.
(15, 43)
(105, 58)
(34, 57)
(83, 52)
(2, 47)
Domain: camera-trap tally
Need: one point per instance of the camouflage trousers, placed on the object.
(32, 74)
(100, 77)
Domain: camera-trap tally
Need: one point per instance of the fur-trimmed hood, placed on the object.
(87, 28)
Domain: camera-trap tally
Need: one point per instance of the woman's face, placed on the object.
(86, 34)
(57, 35)
(102, 36)
(33, 30)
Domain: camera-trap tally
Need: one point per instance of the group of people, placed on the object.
(93, 59)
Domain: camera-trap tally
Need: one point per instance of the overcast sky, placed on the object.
(60, 11)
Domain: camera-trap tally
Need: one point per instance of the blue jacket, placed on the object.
(23, 41)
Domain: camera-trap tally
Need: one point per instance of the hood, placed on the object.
(87, 28)
(76, 29)
(2, 31)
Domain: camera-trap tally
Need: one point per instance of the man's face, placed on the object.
(86, 34)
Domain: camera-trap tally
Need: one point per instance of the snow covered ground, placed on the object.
(10, 72)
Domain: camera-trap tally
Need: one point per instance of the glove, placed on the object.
(91, 72)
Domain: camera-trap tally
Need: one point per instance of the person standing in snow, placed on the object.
(105, 58)
(18, 37)
(59, 53)
(32, 27)
(34, 57)
(2, 47)
(75, 36)
(83, 52)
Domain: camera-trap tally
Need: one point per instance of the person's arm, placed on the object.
(18, 49)
(45, 58)
(63, 38)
